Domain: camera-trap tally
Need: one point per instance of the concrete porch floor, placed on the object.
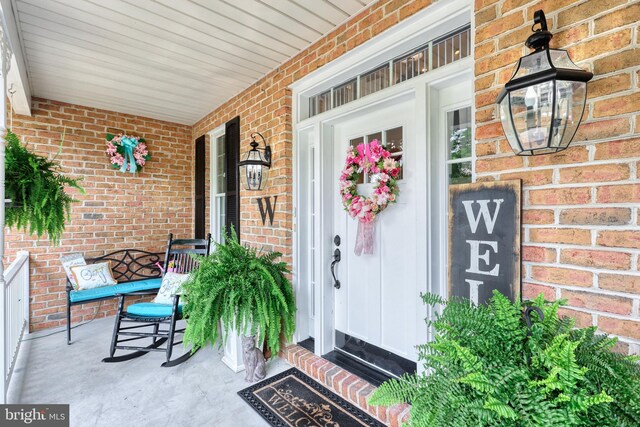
(200, 392)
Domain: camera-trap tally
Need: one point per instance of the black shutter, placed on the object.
(199, 216)
(232, 151)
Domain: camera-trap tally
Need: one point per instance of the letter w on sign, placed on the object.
(488, 219)
(267, 208)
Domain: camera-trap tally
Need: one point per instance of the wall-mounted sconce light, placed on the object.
(542, 105)
(254, 170)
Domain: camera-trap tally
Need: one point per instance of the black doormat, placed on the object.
(293, 399)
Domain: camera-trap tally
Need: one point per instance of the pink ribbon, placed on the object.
(364, 238)
(365, 152)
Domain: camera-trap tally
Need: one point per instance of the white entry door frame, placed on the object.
(314, 181)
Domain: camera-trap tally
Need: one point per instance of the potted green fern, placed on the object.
(242, 289)
(487, 367)
(36, 188)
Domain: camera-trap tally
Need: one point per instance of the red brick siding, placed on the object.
(581, 232)
(118, 211)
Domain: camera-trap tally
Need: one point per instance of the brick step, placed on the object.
(345, 384)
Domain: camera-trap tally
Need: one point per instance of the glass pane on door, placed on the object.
(459, 132)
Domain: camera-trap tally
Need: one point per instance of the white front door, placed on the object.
(379, 295)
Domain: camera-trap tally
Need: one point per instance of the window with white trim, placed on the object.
(459, 161)
(218, 186)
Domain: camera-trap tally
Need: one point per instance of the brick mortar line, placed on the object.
(559, 226)
(565, 185)
(591, 290)
(568, 287)
(598, 270)
(589, 163)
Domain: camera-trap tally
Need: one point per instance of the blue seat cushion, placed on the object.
(120, 288)
(151, 309)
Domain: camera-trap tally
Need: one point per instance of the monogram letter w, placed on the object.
(270, 209)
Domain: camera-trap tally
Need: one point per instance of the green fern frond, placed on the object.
(485, 367)
(36, 187)
(242, 289)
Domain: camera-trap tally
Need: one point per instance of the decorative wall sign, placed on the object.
(373, 159)
(484, 240)
(267, 208)
(127, 152)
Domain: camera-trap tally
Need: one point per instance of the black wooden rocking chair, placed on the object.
(150, 314)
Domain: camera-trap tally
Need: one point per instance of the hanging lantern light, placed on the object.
(542, 105)
(254, 170)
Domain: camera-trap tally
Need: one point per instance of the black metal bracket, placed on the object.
(527, 317)
(255, 145)
(541, 37)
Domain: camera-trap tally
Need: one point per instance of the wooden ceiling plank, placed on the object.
(328, 10)
(160, 86)
(128, 36)
(227, 51)
(79, 54)
(349, 6)
(246, 20)
(133, 54)
(95, 100)
(77, 80)
(301, 14)
(275, 17)
(119, 103)
(218, 25)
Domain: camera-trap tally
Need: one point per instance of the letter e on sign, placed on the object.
(484, 240)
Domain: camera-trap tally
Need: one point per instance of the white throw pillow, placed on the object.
(171, 285)
(93, 275)
(72, 260)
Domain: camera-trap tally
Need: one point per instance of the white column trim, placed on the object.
(5, 59)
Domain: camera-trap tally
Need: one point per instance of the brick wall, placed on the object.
(265, 107)
(118, 211)
(582, 225)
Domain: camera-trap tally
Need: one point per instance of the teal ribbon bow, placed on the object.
(129, 145)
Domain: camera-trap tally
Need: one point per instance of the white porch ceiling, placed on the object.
(174, 60)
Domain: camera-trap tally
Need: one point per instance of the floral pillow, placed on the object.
(93, 275)
(171, 285)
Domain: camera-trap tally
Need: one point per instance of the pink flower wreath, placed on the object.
(373, 159)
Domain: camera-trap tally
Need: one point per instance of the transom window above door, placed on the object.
(432, 55)
(391, 140)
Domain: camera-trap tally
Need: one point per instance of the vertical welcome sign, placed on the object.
(484, 240)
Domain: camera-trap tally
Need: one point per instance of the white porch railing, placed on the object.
(16, 314)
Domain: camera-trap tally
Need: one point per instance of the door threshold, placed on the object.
(308, 344)
(357, 367)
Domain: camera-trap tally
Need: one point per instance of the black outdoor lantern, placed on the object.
(542, 105)
(254, 170)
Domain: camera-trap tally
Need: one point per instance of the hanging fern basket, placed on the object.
(36, 202)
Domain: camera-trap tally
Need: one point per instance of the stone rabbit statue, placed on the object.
(253, 359)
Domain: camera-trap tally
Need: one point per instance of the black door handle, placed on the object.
(336, 259)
